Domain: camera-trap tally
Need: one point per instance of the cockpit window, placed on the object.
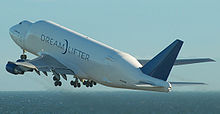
(20, 23)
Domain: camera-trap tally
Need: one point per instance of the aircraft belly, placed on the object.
(158, 89)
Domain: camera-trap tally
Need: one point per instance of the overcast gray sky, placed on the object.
(140, 27)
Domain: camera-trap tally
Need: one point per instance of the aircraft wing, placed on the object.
(44, 63)
(183, 61)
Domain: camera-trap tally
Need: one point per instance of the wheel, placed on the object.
(54, 78)
(94, 83)
(23, 57)
(56, 83)
(84, 83)
(78, 85)
(72, 83)
(59, 83)
(90, 84)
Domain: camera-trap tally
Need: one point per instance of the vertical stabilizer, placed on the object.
(161, 65)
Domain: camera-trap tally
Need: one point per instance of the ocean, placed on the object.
(115, 102)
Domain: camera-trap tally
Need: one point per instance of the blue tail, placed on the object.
(161, 65)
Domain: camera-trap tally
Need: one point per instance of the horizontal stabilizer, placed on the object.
(160, 66)
(192, 61)
(183, 61)
(186, 83)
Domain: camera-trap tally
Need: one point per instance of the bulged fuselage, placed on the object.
(88, 58)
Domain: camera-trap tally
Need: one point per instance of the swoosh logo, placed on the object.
(66, 47)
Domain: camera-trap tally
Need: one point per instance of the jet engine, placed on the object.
(13, 68)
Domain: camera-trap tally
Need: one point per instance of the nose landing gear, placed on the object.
(23, 56)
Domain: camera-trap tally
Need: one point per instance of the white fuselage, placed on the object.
(89, 59)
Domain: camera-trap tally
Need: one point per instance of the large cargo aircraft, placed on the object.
(65, 52)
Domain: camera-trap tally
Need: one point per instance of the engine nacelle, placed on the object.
(13, 68)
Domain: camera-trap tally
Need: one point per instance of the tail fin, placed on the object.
(161, 65)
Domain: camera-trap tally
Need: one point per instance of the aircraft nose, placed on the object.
(12, 32)
(16, 35)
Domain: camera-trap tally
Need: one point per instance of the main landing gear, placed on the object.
(75, 83)
(57, 81)
(89, 83)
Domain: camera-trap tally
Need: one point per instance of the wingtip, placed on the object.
(202, 83)
(178, 40)
(188, 83)
(214, 60)
(211, 60)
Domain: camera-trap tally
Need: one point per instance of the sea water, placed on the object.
(122, 102)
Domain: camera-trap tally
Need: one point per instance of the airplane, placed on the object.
(65, 52)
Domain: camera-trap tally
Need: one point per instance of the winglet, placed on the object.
(161, 65)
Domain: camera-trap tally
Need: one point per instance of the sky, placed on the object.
(141, 28)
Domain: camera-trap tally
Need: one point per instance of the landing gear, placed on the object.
(57, 83)
(89, 83)
(55, 79)
(23, 56)
(75, 83)
(94, 83)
